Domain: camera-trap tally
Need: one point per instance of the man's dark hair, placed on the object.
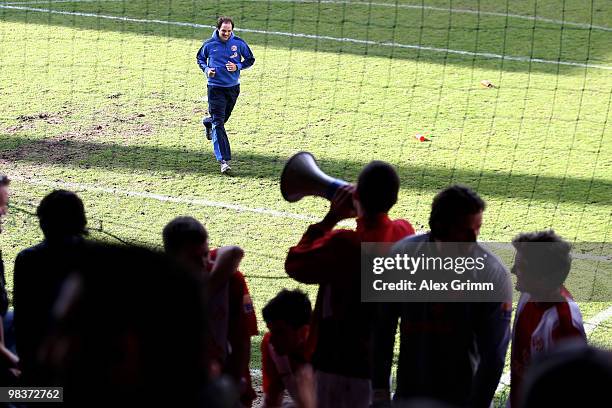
(545, 253)
(586, 370)
(290, 306)
(450, 206)
(224, 19)
(62, 214)
(377, 186)
(4, 180)
(183, 231)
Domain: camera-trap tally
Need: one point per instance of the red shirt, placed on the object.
(278, 372)
(538, 327)
(332, 259)
(241, 325)
(241, 310)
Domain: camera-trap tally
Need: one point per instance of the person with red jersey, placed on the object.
(284, 350)
(232, 316)
(546, 313)
(242, 325)
(331, 259)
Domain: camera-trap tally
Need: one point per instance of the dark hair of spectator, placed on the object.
(224, 19)
(583, 370)
(546, 254)
(183, 231)
(61, 214)
(4, 180)
(450, 206)
(290, 306)
(377, 187)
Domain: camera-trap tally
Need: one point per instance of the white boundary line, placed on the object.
(18, 3)
(164, 198)
(449, 10)
(589, 326)
(596, 320)
(316, 37)
(376, 4)
(201, 202)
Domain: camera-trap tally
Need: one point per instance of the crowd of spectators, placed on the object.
(122, 325)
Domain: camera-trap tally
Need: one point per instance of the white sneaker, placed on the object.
(225, 167)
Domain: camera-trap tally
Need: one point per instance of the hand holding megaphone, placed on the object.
(342, 204)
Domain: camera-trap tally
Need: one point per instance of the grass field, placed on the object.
(105, 97)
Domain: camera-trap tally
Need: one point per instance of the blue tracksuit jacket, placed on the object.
(215, 53)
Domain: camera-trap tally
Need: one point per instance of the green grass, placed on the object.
(118, 104)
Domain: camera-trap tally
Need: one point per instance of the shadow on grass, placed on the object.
(430, 178)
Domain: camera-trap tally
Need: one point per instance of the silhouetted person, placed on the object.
(232, 316)
(40, 272)
(4, 200)
(284, 350)
(450, 352)
(573, 375)
(546, 313)
(8, 360)
(130, 329)
(331, 258)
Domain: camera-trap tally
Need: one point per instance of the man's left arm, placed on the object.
(492, 333)
(247, 57)
(492, 338)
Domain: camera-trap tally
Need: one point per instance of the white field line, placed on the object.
(443, 9)
(163, 198)
(594, 322)
(170, 199)
(589, 326)
(376, 4)
(201, 202)
(17, 3)
(315, 37)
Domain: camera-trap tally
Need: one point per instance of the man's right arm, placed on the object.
(273, 386)
(202, 59)
(322, 254)
(315, 258)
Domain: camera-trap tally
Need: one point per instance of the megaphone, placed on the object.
(302, 177)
